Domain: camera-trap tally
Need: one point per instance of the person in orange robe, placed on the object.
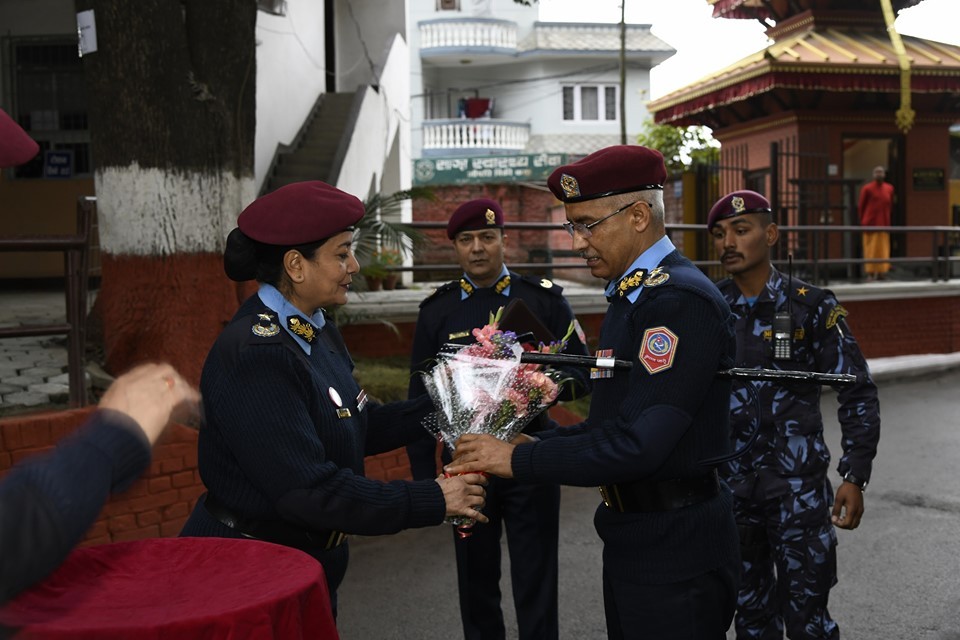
(875, 208)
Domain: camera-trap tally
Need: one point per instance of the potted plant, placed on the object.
(380, 242)
(384, 259)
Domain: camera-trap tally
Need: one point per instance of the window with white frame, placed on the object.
(590, 103)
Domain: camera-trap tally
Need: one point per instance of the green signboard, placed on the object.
(535, 167)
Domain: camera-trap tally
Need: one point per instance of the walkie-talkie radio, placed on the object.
(783, 322)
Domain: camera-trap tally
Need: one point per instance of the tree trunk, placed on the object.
(172, 104)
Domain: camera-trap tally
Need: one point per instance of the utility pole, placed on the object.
(623, 72)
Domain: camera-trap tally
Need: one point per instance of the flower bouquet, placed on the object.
(483, 388)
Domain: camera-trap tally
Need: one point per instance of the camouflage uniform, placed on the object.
(782, 496)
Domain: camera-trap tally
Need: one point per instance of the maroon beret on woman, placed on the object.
(608, 172)
(300, 213)
(482, 213)
(16, 147)
(736, 204)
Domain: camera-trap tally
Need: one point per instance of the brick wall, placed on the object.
(158, 504)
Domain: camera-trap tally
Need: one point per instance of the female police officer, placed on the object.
(286, 425)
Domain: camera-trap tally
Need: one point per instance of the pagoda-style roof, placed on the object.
(834, 53)
(782, 9)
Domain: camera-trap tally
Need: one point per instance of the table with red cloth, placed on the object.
(183, 588)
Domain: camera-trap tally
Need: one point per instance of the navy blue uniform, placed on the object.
(530, 513)
(782, 497)
(284, 440)
(48, 502)
(670, 565)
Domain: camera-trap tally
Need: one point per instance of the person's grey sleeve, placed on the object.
(49, 502)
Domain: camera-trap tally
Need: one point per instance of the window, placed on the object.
(448, 5)
(49, 102)
(590, 103)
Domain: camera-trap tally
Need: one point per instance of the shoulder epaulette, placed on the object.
(806, 293)
(439, 292)
(538, 282)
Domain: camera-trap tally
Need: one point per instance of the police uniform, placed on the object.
(783, 499)
(286, 426)
(530, 513)
(670, 559)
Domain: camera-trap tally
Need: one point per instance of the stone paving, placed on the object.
(33, 370)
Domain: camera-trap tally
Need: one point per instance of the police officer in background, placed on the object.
(786, 511)
(670, 562)
(531, 513)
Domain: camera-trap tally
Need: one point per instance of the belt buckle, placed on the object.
(335, 540)
(605, 496)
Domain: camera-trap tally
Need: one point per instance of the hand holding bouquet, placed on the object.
(483, 388)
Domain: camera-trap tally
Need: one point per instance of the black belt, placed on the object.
(663, 495)
(273, 530)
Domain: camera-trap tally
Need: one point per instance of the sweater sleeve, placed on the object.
(278, 436)
(48, 502)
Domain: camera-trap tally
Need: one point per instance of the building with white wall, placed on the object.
(489, 79)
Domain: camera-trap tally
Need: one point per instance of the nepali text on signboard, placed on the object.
(483, 169)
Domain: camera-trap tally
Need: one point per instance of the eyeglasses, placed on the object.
(584, 229)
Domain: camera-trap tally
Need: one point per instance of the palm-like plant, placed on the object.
(377, 232)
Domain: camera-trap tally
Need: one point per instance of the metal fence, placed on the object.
(943, 262)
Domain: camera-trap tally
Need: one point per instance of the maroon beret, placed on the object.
(300, 213)
(735, 204)
(482, 213)
(613, 170)
(16, 147)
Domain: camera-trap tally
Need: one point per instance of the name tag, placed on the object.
(343, 413)
(459, 334)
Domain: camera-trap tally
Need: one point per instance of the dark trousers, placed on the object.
(697, 609)
(531, 515)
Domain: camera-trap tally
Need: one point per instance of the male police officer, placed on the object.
(782, 497)
(531, 513)
(670, 561)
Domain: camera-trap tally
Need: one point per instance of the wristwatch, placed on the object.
(852, 479)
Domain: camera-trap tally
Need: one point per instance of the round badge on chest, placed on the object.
(335, 397)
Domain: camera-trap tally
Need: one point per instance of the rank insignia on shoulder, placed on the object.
(834, 316)
(658, 349)
(302, 328)
(458, 334)
(802, 291)
(265, 327)
(656, 277)
(546, 284)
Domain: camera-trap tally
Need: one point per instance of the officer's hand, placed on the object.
(482, 453)
(464, 495)
(848, 506)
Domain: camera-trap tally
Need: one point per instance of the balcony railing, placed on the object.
(467, 33)
(466, 134)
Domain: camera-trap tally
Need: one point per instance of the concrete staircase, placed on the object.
(312, 155)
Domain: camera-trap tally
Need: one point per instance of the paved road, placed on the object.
(899, 572)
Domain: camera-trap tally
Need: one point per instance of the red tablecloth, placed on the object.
(178, 588)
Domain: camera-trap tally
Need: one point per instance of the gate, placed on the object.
(795, 178)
